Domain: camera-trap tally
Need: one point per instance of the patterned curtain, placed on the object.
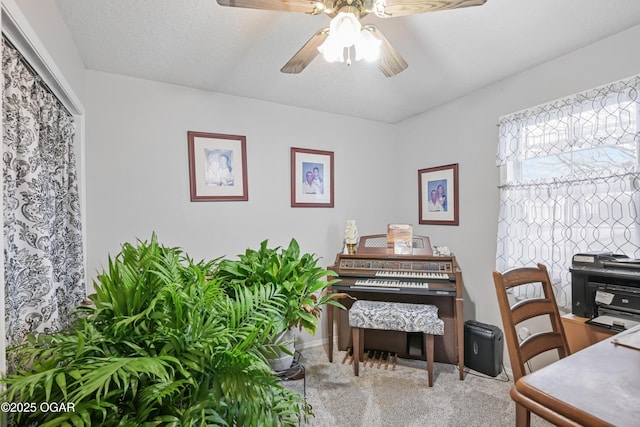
(570, 182)
(44, 273)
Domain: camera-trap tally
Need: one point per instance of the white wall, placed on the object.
(138, 179)
(464, 131)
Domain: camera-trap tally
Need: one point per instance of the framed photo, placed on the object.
(311, 178)
(438, 195)
(217, 167)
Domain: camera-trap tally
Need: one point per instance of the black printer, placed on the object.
(605, 288)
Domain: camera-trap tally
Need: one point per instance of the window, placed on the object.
(570, 181)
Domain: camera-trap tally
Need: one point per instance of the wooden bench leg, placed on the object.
(358, 335)
(428, 341)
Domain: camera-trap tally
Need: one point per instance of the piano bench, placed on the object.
(394, 316)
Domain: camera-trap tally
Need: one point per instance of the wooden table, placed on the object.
(597, 386)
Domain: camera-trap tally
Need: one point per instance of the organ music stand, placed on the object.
(378, 244)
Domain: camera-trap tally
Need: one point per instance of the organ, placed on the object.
(420, 278)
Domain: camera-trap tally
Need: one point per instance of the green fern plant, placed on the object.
(163, 345)
(297, 276)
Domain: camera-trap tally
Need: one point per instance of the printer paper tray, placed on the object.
(615, 323)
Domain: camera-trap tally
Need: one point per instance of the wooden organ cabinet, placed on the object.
(420, 278)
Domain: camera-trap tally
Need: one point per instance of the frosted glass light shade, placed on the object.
(346, 31)
(332, 50)
(367, 46)
(346, 28)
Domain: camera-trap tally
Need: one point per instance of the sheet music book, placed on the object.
(400, 239)
(629, 339)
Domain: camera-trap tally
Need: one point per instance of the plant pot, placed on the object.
(278, 359)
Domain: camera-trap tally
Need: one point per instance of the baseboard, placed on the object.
(301, 344)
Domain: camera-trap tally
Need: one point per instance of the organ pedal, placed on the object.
(348, 355)
(377, 357)
(382, 356)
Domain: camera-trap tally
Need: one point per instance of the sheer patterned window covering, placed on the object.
(43, 258)
(570, 182)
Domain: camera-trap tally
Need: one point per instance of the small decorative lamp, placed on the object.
(351, 236)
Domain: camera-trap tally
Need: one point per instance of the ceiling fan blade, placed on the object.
(302, 6)
(307, 53)
(393, 8)
(390, 61)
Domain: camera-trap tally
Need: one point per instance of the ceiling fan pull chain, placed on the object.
(348, 56)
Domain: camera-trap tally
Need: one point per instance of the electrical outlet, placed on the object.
(523, 333)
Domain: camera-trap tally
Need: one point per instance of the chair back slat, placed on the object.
(539, 343)
(530, 308)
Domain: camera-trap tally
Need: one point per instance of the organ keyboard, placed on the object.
(414, 275)
(394, 285)
(391, 284)
(418, 279)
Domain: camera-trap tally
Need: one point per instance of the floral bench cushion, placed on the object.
(396, 316)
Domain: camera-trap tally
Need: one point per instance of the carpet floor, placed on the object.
(401, 397)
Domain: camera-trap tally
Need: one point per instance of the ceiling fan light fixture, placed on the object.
(332, 50)
(367, 46)
(345, 27)
(346, 32)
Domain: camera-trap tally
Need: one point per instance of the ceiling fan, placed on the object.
(345, 30)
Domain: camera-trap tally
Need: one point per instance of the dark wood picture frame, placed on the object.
(217, 167)
(444, 207)
(318, 191)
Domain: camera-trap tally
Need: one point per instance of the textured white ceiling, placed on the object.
(199, 44)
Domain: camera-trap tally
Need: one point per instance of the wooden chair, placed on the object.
(520, 352)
